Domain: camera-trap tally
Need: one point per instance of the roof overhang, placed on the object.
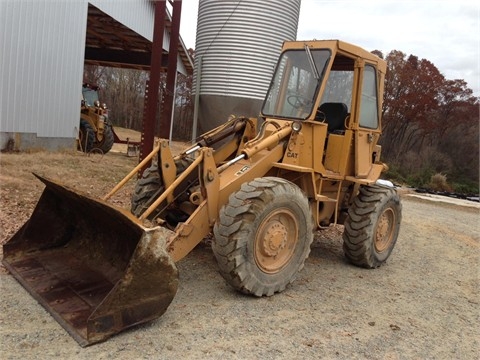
(110, 43)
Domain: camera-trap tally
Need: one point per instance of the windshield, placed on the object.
(295, 83)
(89, 95)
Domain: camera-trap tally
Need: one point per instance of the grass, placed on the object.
(94, 175)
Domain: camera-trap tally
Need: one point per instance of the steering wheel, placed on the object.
(298, 101)
(320, 116)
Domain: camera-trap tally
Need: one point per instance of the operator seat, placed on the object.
(334, 114)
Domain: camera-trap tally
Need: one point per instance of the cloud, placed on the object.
(443, 32)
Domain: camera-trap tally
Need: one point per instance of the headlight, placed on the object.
(296, 126)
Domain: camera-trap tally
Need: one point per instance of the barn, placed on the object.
(44, 46)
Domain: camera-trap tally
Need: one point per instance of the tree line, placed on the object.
(430, 124)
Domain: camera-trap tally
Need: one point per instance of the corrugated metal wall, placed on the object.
(135, 14)
(240, 41)
(42, 46)
(41, 66)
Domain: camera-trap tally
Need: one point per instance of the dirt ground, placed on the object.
(422, 304)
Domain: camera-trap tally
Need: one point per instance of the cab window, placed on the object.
(369, 103)
(295, 83)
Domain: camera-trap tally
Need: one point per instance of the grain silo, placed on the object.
(237, 46)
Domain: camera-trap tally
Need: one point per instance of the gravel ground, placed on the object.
(423, 304)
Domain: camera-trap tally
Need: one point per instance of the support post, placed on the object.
(153, 84)
(197, 98)
(169, 94)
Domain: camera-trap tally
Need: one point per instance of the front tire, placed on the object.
(372, 226)
(148, 186)
(263, 236)
(108, 139)
(86, 136)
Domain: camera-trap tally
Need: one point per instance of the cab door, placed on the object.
(367, 134)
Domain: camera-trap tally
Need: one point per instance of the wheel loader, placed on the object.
(262, 186)
(95, 132)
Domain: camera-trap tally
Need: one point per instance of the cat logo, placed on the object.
(242, 171)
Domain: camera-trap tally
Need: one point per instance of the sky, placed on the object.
(445, 32)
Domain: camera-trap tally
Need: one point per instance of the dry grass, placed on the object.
(20, 190)
(438, 182)
(123, 134)
(92, 174)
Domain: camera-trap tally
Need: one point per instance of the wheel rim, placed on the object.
(275, 241)
(385, 230)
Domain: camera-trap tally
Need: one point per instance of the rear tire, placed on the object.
(372, 226)
(263, 236)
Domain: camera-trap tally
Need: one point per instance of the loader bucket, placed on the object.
(92, 265)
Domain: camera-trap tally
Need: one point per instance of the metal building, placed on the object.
(44, 45)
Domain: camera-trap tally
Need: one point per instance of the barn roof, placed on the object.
(111, 43)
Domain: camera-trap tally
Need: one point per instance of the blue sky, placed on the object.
(445, 32)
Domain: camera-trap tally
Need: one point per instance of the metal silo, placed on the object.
(237, 46)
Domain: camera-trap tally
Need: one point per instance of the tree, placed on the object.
(411, 97)
(183, 116)
(430, 124)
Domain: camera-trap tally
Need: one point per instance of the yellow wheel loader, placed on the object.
(311, 161)
(95, 132)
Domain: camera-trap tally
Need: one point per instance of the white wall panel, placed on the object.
(135, 14)
(41, 66)
(42, 48)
